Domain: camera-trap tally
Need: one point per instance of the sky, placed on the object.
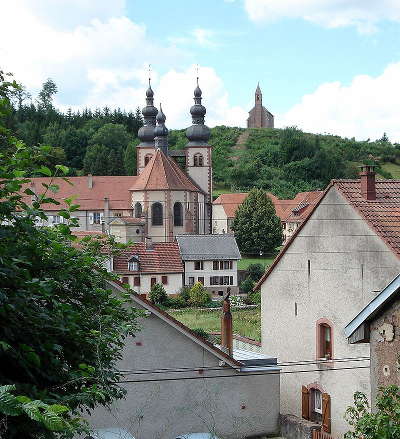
(326, 66)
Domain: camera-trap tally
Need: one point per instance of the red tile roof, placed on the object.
(163, 258)
(115, 188)
(381, 214)
(297, 210)
(163, 173)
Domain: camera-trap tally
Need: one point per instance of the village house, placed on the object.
(178, 382)
(211, 260)
(291, 212)
(161, 201)
(336, 262)
(379, 325)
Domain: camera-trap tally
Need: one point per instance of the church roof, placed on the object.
(163, 173)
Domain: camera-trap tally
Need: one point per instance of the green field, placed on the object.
(246, 322)
(245, 261)
(393, 169)
(221, 188)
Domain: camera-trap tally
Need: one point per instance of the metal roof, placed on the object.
(374, 306)
(208, 247)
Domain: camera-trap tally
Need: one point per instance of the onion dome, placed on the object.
(161, 132)
(146, 132)
(198, 133)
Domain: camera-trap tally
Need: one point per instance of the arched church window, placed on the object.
(138, 210)
(147, 158)
(178, 214)
(198, 159)
(157, 214)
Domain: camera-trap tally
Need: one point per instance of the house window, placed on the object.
(317, 401)
(201, 280)
(136, 281)
(324, 340)
(95, 217)
(57, 219)
(157, 214)
(215, 265)
(133, 263)
(147, 158)
(125, 280)
(138, 210)
(191, 281)
(198, 265)
(118, 214)
(226, 265)
(164, 280)
(153, 281)
(198, 159)
(231, 280)
(178, 214)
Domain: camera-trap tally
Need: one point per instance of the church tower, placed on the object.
(259, 116)
(145, 149)
(198, 156)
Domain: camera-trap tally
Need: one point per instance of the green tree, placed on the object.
(96, 160)
(111, 135)
(256, 226)
(130, 158)
(198, 295)
(383, 423)
(45, 97)
(158, 294)
(62, 331)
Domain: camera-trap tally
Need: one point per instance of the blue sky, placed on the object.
(327, 66)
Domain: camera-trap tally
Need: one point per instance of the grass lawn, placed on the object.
(245, 261)
(393, 169)
(221, 188)
(246, 322)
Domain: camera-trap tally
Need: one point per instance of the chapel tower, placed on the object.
(259, 116)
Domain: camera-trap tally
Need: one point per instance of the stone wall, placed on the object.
(293, 427)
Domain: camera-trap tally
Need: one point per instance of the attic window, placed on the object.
(133, 263)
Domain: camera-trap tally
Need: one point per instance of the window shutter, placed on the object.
(164, 280)
(136, 281)
(91, 219)
(305, 403)
(326, 412)
(101, 217)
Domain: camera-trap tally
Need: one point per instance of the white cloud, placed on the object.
(363, 14)
(102, 58)
(204, 37)
(366, 108)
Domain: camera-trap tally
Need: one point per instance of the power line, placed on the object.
(236, 375)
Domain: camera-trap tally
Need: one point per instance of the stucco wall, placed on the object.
(219, 219)
(385, 348)
(233, 406)
(175, 282)
(333, 268)
(208, 271)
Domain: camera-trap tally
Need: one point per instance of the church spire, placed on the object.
(161, 132)
(198, 133)
(146, 132)
(258, 95)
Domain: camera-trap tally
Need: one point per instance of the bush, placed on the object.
(247, 285)
(201, 333)
(184, 294)
(176, 302)
(255, 298)
(158, 295)
(255, 271)
(198, 295)
(236, 301)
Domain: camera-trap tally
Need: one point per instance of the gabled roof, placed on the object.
(382, 214)
(390, 292)
(180, 327)
(115, 188)
(163, 257)
(296, 210)
(208, 247)
(163, 173)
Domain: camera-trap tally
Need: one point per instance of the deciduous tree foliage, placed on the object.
(256, 226)
(62, 331)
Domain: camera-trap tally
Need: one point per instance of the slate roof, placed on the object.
(115, 188)
(164, 257)
(381, 214)
(208, 247)
(163, 173)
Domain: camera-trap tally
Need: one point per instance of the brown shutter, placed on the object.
(136, 281)
(305, 403)
(164, 280)
(326, 412)
(125, 280)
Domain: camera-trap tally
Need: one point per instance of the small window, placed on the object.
(198, 265)
(191, 281)
(215, 265)
(231, 280)
(226, 280)
(153, 281)
(317, 401)
(133, 263)
(198, 159)
(138, 210)
(57, 219)
(157, 214)
(96, 218)
(178, 214)
(324, 337)
(118, 214)
(136, 281)
(164, 280)
(201, 280)
(147, 158)
(125, 280)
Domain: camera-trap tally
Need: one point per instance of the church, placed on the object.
(259, 116)
(161, 201)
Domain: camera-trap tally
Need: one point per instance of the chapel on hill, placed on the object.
(162, 200)
(259, 116)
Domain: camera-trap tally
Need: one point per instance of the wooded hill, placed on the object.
(282, 161)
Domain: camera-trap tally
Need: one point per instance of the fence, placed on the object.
(321, 435)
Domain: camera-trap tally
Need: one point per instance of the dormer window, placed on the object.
(133, 263)
(198, 159)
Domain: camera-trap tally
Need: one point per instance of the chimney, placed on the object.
(226, 325)
(90, 181)
(367, 176)
(149, 243)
